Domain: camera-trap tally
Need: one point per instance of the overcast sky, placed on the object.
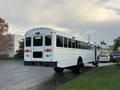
(99, 18)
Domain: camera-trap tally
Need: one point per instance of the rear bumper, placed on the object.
(116, 57)
(40, 63)
(104, 60)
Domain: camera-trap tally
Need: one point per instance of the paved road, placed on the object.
(15, 76)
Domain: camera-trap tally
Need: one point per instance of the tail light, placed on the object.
(48, 50)
(26, 50)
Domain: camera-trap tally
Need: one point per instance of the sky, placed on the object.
(98, 18)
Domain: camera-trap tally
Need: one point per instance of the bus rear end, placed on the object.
(38, 49)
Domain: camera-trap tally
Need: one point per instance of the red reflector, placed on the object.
(48, 50)
(26, 50)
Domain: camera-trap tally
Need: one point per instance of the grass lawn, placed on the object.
(5, 57)
(103, 78)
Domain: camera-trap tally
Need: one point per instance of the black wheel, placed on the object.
(118, 61)
(58, 69)
(95, 64)
(78, 68)
(111, 59)
(75, 70)
(24, 63)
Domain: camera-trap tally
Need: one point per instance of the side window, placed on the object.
(59, 41)
(65, 42)
(69, 43)
(38, 41)
(89, 46)
(92, 47)
(73, 43)
(76, 44)
(80, 45)
(48, 40)
(28, 41)
(86, 46)
(83, 45)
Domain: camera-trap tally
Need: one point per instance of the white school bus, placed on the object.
(51, 48)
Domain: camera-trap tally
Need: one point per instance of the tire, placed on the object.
(79, 67)
(95, 64)
(25, 64)
(58, 69)
(75, 70)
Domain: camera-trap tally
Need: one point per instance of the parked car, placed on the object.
(115, 56)
(104, 57)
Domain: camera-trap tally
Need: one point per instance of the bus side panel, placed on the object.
(64, 56)
(68, 57)
(88, 56)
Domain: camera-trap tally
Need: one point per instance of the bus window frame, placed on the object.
(62, 42)
(28, 45)
(40, 44)
(50, 41)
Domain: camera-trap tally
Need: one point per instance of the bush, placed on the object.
(20, 52)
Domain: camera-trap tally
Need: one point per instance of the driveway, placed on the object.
(15, 76)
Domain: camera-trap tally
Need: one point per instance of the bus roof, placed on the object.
(50, 29)
(55, 29)
(61, 31)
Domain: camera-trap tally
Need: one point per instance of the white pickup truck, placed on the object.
(104, 57)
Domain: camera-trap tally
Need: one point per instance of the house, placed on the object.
(15, 39)
(106, 49)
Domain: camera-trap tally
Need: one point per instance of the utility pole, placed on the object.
(96, 61)
(88, 38)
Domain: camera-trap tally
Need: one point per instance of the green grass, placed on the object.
(103, 78)
(5, 57)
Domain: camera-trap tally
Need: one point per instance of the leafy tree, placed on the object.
(103, 43)
(3, 27)
(5, 38)
(20, 52)
(116, 43)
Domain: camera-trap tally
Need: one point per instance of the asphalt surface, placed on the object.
(15, 76)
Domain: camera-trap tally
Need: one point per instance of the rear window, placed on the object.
(28, 41)
(38, 41)
(116, 53)
(104, 55)
(48, 40)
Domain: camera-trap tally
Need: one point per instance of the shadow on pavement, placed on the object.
(57, 79)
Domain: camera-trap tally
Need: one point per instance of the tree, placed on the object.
(20, 52)
(116, 43)
(5, 38)
(103, 43)
(3, 27)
